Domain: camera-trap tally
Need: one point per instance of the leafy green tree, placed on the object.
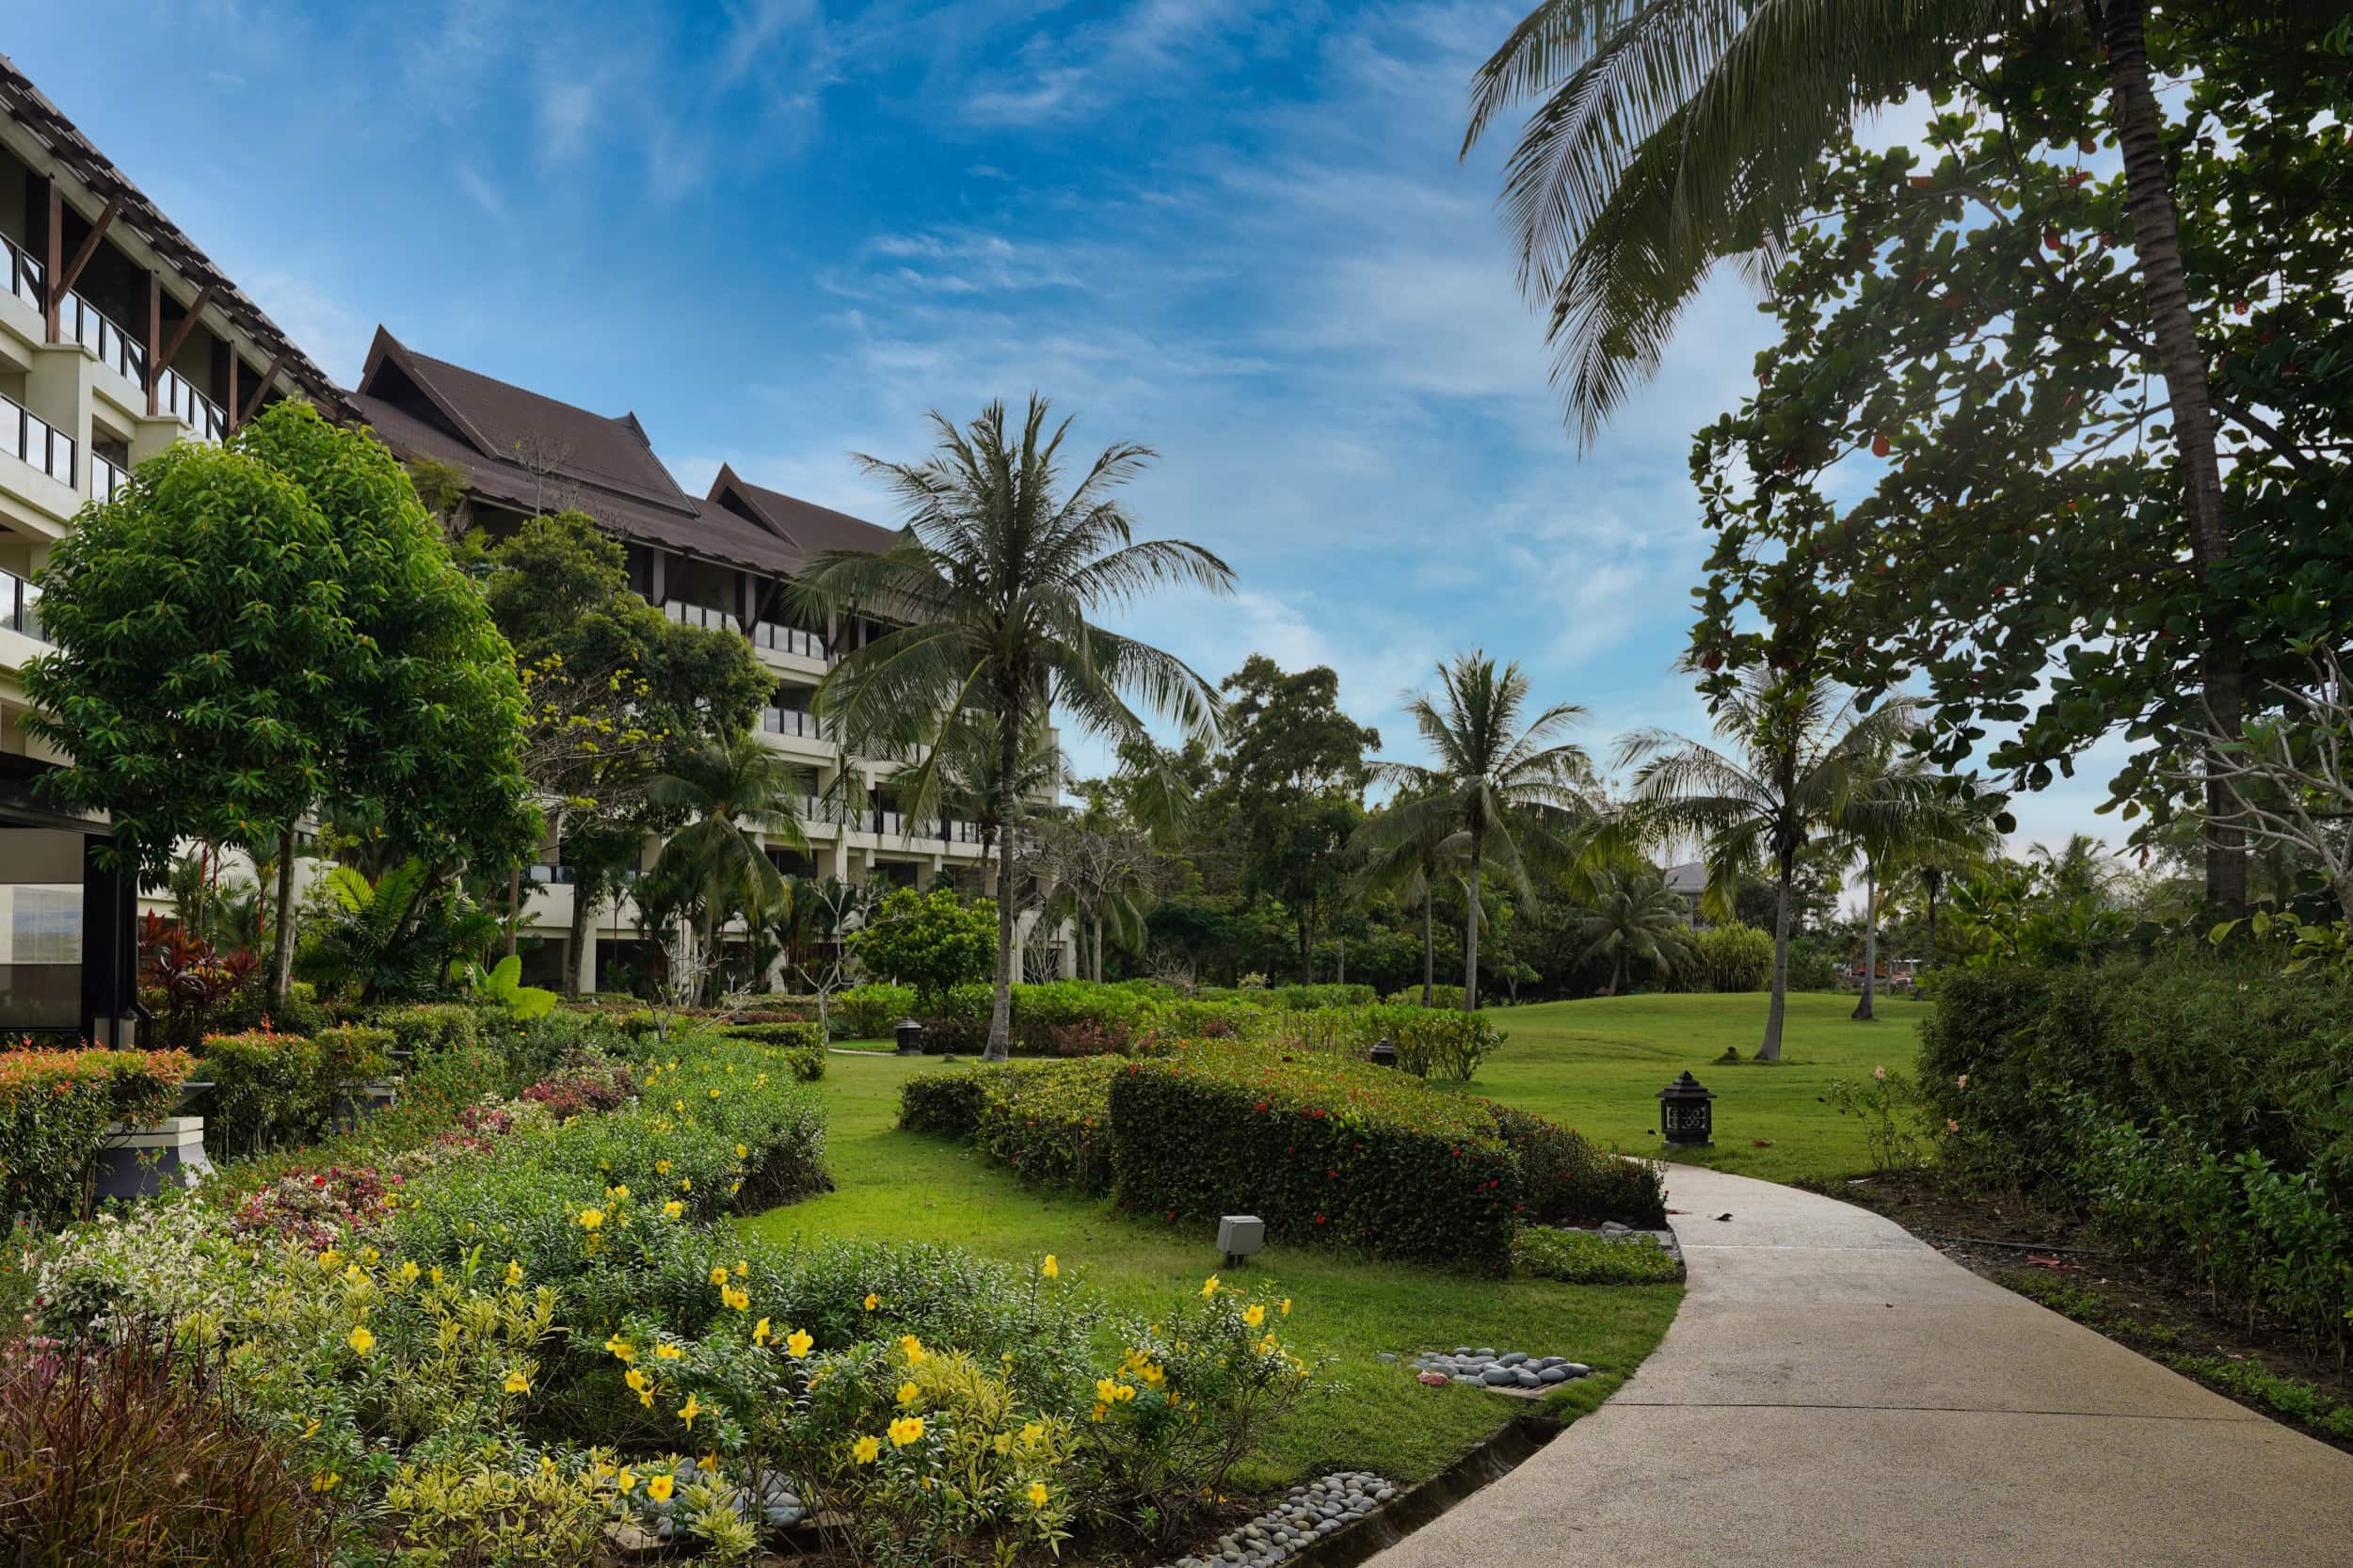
(394, 939)
(1670, 137)
(731, 792)
(994, 578)
(932, 941)
(1509, 790)
(1633, 922)
(614, 691)
(1295, 772)
(1798, 764)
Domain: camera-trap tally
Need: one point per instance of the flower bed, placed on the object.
(55, 1108)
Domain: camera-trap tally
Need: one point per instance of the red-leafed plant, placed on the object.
(191, 977)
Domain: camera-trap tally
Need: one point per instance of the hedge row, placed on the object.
(55, 1108)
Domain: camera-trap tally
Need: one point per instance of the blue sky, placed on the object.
(780, 231)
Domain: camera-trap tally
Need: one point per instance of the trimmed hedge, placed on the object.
(1440, 996)
(270, 1090)
(947, 1102)
(800, 1034)
(1327, 1152)
(55, 1108)
(1048, 1122)
(1569, 1182)
(1580, 1257)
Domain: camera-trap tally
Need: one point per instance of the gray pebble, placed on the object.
(1512, 1358)
(1528, 1380)
(1553, 1374)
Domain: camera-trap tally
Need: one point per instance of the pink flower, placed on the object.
(1951, 1125)
(1880, 1073)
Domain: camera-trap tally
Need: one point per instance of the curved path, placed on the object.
(1835, 1393)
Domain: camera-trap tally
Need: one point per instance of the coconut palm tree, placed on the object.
(1902, 813)
(1670, 135)
(1507, 792)
(1934, 863)
(2081, 868)
(1634, 920)
(992, 585)
(1797, 761)
(732, 791)
(1412, 867)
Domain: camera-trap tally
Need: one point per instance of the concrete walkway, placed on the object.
(1835, 1393)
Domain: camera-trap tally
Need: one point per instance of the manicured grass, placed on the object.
(1362, 1413)
(1598, 1066)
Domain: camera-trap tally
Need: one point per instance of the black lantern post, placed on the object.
(1383, 1054)
(1685, 1114)
(910, 1037)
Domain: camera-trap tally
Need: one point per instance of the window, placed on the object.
(40, 928)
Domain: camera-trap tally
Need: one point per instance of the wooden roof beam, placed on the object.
(72, 274)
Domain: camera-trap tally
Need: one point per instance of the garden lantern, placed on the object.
(1685, 1114)
(1383, 1054)
(910, 1037)
(1240, 1236)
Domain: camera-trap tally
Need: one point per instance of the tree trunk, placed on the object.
(281, 949)
(1428, 953)
(1770, 1050)
(711, 941)
(584, 915)
(1095, 956)
(514, 908)
(2156, 240)
(1470, 937)
(1932, 883)
(1341, 978)
(1870, 943)
(1000, 1046)
(1617, 972)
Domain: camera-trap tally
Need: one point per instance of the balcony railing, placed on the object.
(781, 638)
(106, 476)
(31, 438)
(84, 324)
(793, 721)
(24, 273)
(699, 614)
(19, 607)
(204, 418)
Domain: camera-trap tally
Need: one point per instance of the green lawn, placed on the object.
(1598, 1066)
(1362, 1414)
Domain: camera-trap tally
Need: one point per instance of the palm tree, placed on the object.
(1900, 813)
(1503, 790)
(2079, 869)
(1412, 866)
(1674, 134)
(1798, 760)
(992, 582)
(1934, 862)
(1633, 918)
(733, 791)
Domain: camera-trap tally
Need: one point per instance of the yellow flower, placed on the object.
(740, 1299)
(1254, 1314)
(1106, 1391)
(658, 1488)
(760, 1332)
(709, 1464)
(865, 1449)
(743, 1151)
(637, 1380)
(1127, 1391)
(914, 1348)
(905, 1430)
(714, 1093)
(798, 1343)
(621, 1192)
(328, 1260)
(1031, 1432)
(873, 1301)
(718, 1273)
(514, 1273)
(1286, 1307)
(409, 1272)
(626, 1481)
(742, 1268)
(591, 1218)
(621, 1348)
(1209, 1287)
(679, 1106)
(361, 1340)
(661, 1167)
(686, 1184)
(325, 1480)
(355, 1275)
(909, 1392)
(667, 1352)
(518, 1384)
(1153, 1376)
(368, 1256)
(672, 1209)
(687, 1412)
(1051, 1268)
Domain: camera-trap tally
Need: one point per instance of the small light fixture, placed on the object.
(910, 1037)
(1685, 1114)
(1240, 1236)
(1383, 1054)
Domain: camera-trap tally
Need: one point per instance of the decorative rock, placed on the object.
(1512, 1358)
(1433, 1380)
(1497, 1376)
(1553, 1374)
(1528, 1380)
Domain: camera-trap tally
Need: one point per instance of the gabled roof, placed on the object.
(803, 525)
(31, 108)
(1689, 879)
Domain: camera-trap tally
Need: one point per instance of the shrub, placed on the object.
(586, 1083)
(1327, 1152)
(124, 1452)
(55, 1108)
(476, 1512)
(172, 1259)
(267, 1090)
(1302, 997)
(1581, 1257)
(1048, 1122)
(1569, 1181)
(1734, 957)
(1440, 996)
(946, 1101)
(871, 1012)
(1435, 1043)
(430, 1026)
(775, 1033)
(933, 941)
(314, 1207)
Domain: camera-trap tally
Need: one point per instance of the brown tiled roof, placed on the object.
(804, 523)
(31, 108)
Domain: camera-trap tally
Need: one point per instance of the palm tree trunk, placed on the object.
(1870, 942)
(2157, 239)
(1617, 971)
(1429, 952)
(1770, 1050)
(710, 940)
(1932, 882)
(1470, 937)
(282, 948)
(1000, 1045)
